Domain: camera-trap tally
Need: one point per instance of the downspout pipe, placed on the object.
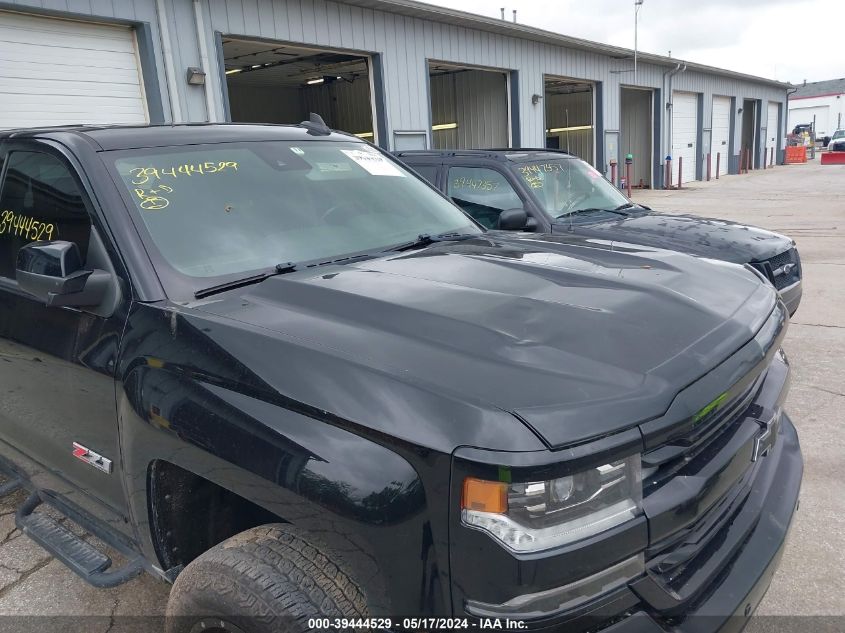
(785, 123)
(169, 66)
(789, 92)
(667, 115)
(211, 108)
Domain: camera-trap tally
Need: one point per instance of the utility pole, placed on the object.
(637, 5)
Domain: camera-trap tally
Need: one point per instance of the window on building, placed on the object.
(39, 200)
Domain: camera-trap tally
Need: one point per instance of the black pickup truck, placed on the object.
(550, 191)
(272, 366)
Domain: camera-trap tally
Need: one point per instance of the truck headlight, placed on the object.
(540, 515)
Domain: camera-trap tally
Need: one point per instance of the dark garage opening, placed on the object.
(569, 105)
(281, 83)
(637, 135)
(469, 107)
(749, 133)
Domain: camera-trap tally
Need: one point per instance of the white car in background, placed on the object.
(837, 142)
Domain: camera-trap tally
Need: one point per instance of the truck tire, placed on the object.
(270, 579)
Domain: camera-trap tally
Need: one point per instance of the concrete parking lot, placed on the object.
(804, 202)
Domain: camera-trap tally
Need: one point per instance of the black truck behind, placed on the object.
(559, 193)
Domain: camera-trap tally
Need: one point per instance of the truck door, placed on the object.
(57, 363)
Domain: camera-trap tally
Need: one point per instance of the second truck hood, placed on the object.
(718, 239)
(577, 340)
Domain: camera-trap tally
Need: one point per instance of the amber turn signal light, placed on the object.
(484, 496)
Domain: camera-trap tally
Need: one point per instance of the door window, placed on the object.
(429, 172)
(39, 200)
(483, 193)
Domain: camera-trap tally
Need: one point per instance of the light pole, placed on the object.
(637, 5)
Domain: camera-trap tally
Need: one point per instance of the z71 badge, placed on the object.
(91, 458)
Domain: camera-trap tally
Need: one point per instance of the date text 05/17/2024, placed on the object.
(414, 624)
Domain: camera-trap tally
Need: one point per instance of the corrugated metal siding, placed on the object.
(344, 106)
(571, 110)
(265, 104)
(405, 44)
(477, 101)
(443, 110)
(636, 134)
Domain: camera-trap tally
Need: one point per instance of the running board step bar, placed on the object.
(10, 486)
(81, 557)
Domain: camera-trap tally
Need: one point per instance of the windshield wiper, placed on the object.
(618, 210)
(425, 240)
(278, 269)
(282, 269)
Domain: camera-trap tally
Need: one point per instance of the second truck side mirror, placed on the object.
(512, 220)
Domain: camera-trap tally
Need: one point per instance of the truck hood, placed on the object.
(718, 239)
(575, 338)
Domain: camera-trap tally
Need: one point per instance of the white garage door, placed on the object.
(684, 135)
(54, 72)
(819, 114)
(771, 132)
(721, 135)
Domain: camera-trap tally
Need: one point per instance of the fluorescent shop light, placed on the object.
(576, 128)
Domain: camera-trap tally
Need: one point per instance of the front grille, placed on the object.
(663, 462)
(672, 560)
(784, 269)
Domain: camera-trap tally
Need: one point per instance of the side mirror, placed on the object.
(52, 272)
(512, 220)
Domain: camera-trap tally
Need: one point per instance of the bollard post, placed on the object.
(680, 170)
(613, 173)
(772, 157)
(667, 180)
(718, 166)
(765, 159)
(629, 159)
(708, 166)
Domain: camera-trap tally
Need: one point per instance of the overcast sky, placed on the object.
(789, 40)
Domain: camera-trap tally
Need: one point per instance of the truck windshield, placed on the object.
(219, 210)
(565, 186)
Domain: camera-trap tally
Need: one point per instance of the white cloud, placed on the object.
(789, 40)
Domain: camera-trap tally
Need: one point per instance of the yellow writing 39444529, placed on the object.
(20, 225)
(146, 175)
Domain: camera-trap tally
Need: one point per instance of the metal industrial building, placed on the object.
(401, 73)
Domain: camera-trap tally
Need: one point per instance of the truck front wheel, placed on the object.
(272, 578)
